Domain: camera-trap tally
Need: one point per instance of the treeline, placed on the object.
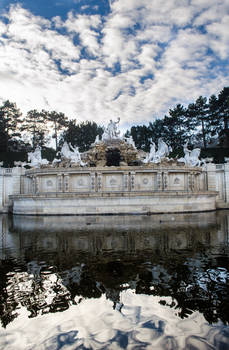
(20, 133)
(201, 123)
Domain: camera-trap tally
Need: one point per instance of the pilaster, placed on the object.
(132, 180)
(226, 169)
(211, 177)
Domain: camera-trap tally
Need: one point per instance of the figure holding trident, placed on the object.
(111, 131)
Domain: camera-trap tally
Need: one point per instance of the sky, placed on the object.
(103, 59)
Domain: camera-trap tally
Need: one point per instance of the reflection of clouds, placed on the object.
(93, 324)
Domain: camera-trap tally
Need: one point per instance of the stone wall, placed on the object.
(217, 179)
(111, 180)
(10, 183)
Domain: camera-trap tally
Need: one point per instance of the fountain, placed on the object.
(113, 177)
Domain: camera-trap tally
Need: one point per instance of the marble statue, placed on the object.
(97, 140)
(154, 156)
(130, 141)
(163, 149)
(191, 158)
(35, 158)
(151, 157)
(20, 164)
(71, 153)
(111, 131)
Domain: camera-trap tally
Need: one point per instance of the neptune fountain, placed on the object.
(113, 177)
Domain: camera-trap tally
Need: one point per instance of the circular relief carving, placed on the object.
(49, 183)
(80, 182)
(113, 181)
(145, 181)
(177, 181)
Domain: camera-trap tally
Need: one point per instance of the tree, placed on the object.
(200, 113)
(177, 128)
(35, 124)
(10, 118)
(223, 102)
(59, 121)
(82, 135)
(141, 137)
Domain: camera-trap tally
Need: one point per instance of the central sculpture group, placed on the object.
(70, 156)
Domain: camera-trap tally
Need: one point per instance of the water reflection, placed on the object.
(115, 282)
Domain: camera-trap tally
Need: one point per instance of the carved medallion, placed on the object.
(145, 181)
(176, 181)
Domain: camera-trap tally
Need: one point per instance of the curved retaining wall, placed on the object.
(113, 203)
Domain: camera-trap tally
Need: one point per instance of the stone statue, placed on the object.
(71, 153)
(163, 149)
(190, 158)
(35, 158)
(162, 152)
(111, 131)
(130, 141)
(65, 151)
(97, 140)
(151, 157)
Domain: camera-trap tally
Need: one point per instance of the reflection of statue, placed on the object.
(35, 158)
(190, 157)
(111, 131)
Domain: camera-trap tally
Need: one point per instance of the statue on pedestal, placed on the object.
(190, 158)
(35, 158)
(154, 156)
(71, 153)
(111, 131)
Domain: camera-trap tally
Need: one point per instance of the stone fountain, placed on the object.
(113, 177)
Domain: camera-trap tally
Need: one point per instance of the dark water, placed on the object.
(128, 282)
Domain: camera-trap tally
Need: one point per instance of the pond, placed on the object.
(115, 282)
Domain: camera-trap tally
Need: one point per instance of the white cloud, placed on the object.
(162, 52)
(85, 26)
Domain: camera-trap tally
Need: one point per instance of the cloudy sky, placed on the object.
(102, 59)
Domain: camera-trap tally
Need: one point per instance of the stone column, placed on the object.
(226, 169)
(191, 185)
(211, 177)
(59, 183)
(99, 182)
(125, 182)
(16, 177)
(159, 181)
(92, 176)
(132, 180)
(1, 189)
(35, 184)
(66, 183)
(165, 180)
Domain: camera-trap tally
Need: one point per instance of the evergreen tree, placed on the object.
(10, 118)
(82, 135)
(35, 125)
(200, 113)
(59, 122)
(223, 110)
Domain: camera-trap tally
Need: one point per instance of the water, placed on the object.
(115, 282)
